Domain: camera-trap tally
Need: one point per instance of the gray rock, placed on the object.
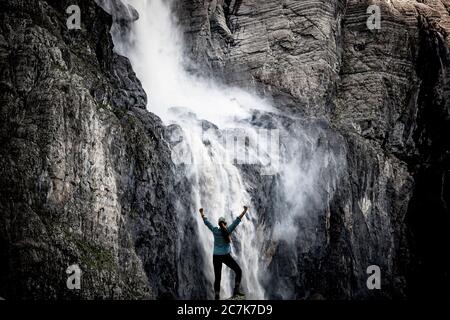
(384, 92)
(86, 176)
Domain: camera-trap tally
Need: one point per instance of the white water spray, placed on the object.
(157, 58)
(185, 100)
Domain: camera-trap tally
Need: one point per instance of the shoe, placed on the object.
(238, 293)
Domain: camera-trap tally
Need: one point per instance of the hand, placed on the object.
(243, 212)
(201, 212)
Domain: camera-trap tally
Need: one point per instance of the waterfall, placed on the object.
(217, 133)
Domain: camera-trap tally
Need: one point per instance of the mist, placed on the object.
(285, 149)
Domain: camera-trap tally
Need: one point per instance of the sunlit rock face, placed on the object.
(383, 90)
(287, 49)
(85, 176)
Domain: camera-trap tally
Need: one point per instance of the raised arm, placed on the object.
(237, 221)
(243, 212)
(205, 220)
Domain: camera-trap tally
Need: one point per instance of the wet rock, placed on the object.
(384, 93)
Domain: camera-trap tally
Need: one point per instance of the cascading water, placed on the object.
(201, 116)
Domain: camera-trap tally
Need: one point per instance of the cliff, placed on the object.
(86, 174)
(385, 91)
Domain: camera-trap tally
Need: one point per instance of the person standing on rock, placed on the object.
(222, 249)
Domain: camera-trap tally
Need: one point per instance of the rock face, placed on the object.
(85, 173)
(385, 91)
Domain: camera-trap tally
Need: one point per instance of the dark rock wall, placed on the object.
(86, 176)
(385, 92)
(428, 218)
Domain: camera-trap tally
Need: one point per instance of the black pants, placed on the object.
(231, 263)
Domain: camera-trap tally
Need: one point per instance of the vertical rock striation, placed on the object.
(86, 175)
(385, 92)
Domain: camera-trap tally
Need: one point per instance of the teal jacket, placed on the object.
(221, 247)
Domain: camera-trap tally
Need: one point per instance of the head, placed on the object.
(223, 227)
(222, 221)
